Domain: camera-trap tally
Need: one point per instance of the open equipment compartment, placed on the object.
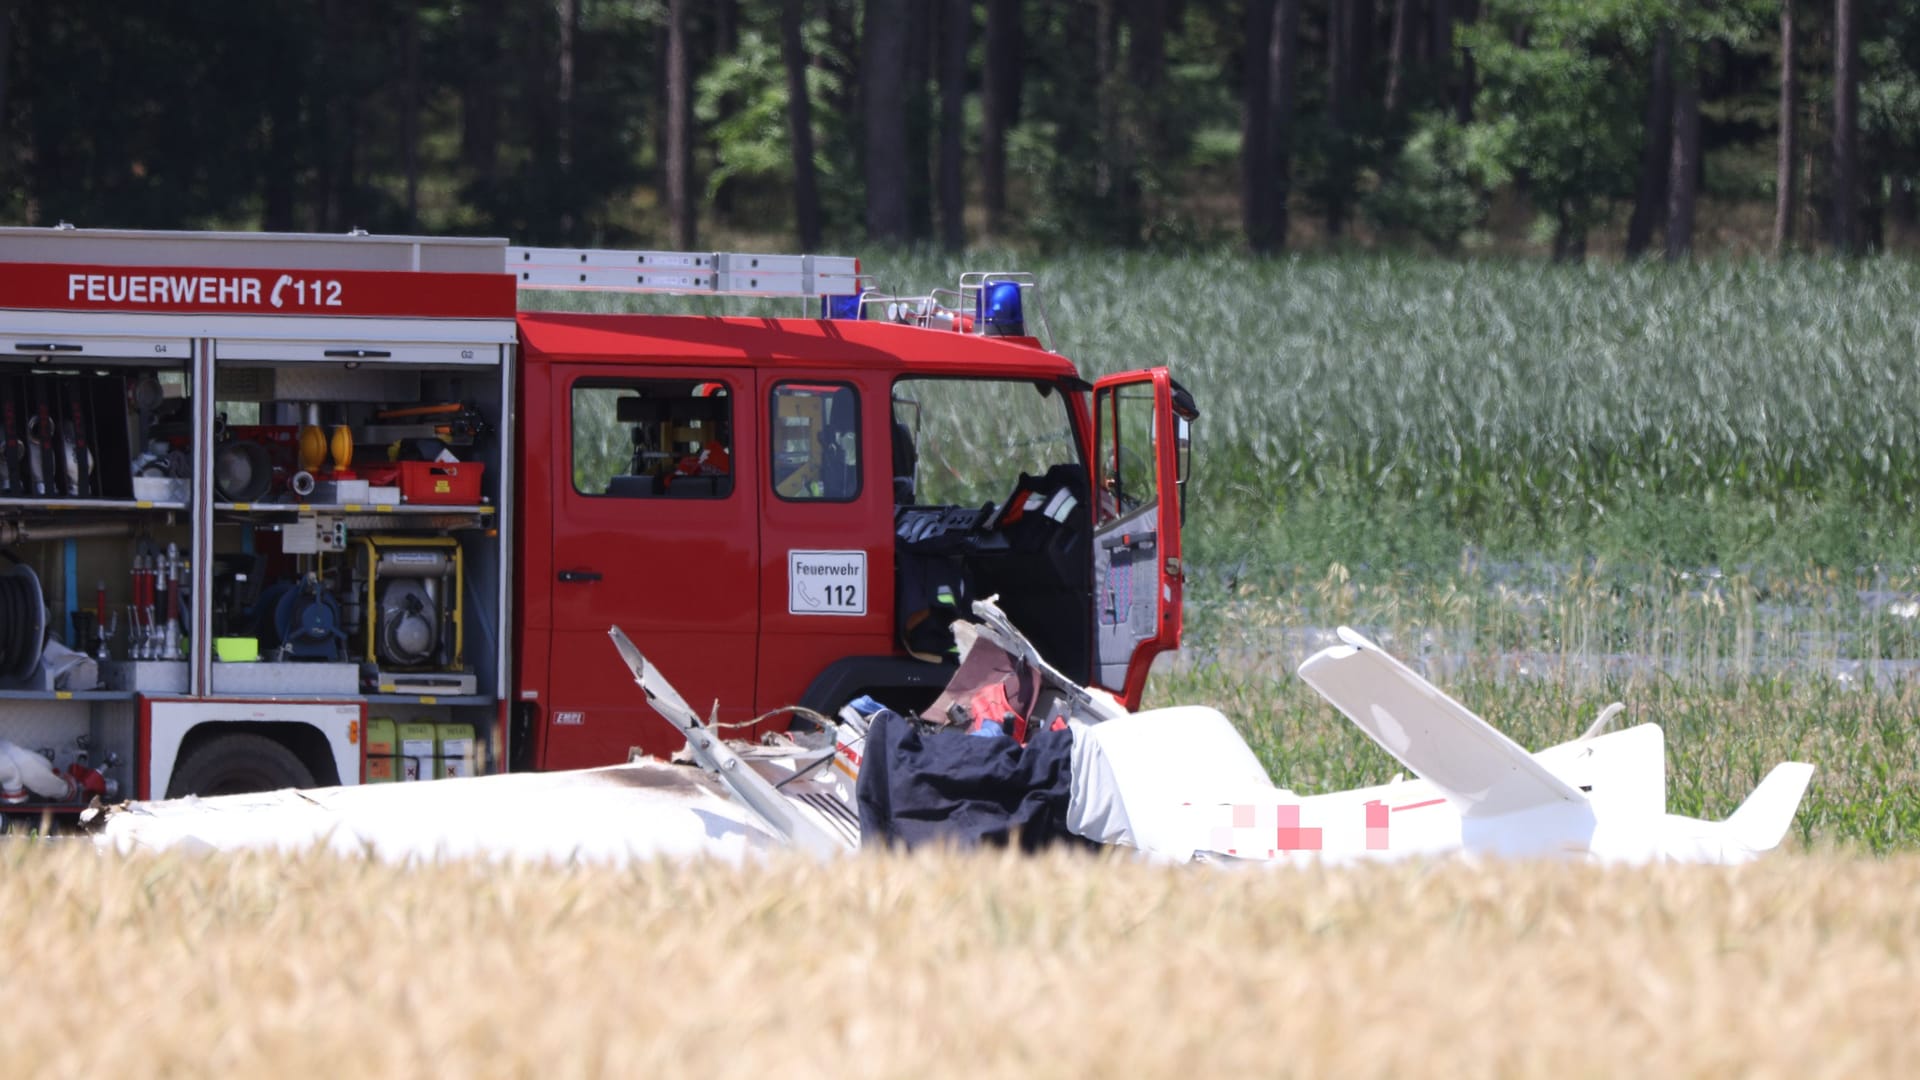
(315, 542)
(96, 446)
(345, 573)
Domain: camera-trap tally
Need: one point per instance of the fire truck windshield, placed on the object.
(970, 438)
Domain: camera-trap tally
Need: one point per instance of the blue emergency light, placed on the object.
(842, 306)
(996, 310)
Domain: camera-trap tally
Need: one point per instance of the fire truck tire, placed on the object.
(236, 764)
(895, 681)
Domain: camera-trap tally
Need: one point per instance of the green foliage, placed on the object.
(463, 116)
(1890, 91)
(742, 103)
(1555, 106)
(1435, 191)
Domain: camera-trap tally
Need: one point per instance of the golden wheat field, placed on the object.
(953, 966)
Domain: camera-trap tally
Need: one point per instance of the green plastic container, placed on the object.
(383, 754)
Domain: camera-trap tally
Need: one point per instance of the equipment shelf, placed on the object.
(31, 807)
(377, 699)
(351, 508)
(15, 502)
(431, 699)
(69, 695)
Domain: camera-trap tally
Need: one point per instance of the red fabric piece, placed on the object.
(991, 703)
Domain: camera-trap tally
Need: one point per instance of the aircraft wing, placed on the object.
(717, 758)
(1482, 772)
(635, 812)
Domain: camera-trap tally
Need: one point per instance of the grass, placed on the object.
(951, 966)
(1578, 622)
(1741, 673)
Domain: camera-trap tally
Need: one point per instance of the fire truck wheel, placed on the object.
(236, 764)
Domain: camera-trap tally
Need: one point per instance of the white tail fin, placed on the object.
(1763, 819)
(1482, 772)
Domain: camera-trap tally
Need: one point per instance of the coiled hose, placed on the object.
(23, 622)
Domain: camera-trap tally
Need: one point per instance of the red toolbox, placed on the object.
(452, 483)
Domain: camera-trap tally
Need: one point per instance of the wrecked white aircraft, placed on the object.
(1057, 762)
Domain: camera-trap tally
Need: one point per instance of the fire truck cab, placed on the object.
(304, 510)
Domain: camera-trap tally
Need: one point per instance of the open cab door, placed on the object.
(1142, 423)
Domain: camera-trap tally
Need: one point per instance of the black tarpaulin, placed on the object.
(946, 787)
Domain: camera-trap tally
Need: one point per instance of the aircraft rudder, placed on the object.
(1762, 821)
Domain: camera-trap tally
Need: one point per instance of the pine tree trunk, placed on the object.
(279, 177)
(410, 108)
(1109, 160)
(1360, 33)
(681, 212)
(954, 32)
(569, 38)
(1783, 186)
(480, 88)
(922, 22)
(1683, 178)
(1283, 64)
(327, 123)
(999, 109)
(345, 197)
(1871, 234)
(1650, 193)
(1142, 111)
(883, 76)
(6, 51)
(1147, 44)
(1846, 143)
(1464, 83)
(1569, 237)
(1903, 211)
(806, 189)
(538, 194)
(1256, 130)
(1340, 53)
(1398, 53)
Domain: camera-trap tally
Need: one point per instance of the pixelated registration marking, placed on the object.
(1253, 831)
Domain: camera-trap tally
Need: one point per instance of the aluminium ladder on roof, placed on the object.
(684, 273)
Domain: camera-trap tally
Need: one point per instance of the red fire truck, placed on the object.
(284, 510)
